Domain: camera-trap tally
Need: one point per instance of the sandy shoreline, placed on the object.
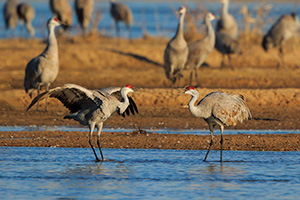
(144, 140)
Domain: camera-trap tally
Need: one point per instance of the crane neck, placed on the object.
(224, 11)
(30, 28)
(192, 102)
(199, 110)
(51, 41)
(179, 31)
(209, 28)
(125, 103)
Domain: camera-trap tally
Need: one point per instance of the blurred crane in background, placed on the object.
(281, 31)
(84, 10)
(26, 13)
(226, 45)
(10, 14)
(227, 24)
(43, 69)
(176, 52)
(62, 10)
(200, 49)
(121, 12)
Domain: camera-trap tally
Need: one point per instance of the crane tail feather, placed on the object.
(134, 106)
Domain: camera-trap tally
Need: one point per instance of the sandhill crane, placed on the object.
(218, 108)
(92, 107)
(227, 24)
(226, 45)
(200, 49)
(43, 69)
(84, 10)
(61, 9)
(121, 12)
(10, 14)
(26, 13)
(282, 30)
(176, 52)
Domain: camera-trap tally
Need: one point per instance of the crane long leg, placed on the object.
(129, 32)
(46, 107)
(229, 60)
(221, 141)
(92, 126)
(196, 77)
(38, 90)
(211, 141)
(172, 87)
(281, 56)
(223, 61)
(117, 29)
(191, 77)
(178, 77)
(98, 139)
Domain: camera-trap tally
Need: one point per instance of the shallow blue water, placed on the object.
(166, 131)
(71, 173)
(156, 17)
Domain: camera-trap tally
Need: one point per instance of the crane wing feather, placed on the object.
(115, 91)
(73, 97)
(230, 109)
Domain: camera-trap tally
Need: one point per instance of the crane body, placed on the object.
(92, 107)
(218, 108)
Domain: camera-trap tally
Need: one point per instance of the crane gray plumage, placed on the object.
(10, 14)
(200, 49)
(62, 10)
(227, 24)
(26, 13)
(121, 12)
(43, 69)
(218, 108)
(176, 52)
(84, 10)
(92, 107)
(227, 45)
(281, 31)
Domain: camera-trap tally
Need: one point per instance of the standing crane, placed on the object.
(43, 69)
(92, 107)
(227, 24)
(281, 31)
(200, 49)
(61, 9)
(26, 13)
(176, 52)
(84, 10)
(218, 108)
(227, 45)
(121, 12)
(10, 14)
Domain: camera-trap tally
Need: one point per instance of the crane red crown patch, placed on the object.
(55, 19)
(180, 8)
(189, 88)
(129, 86)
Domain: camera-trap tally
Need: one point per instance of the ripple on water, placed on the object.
(147, 174)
